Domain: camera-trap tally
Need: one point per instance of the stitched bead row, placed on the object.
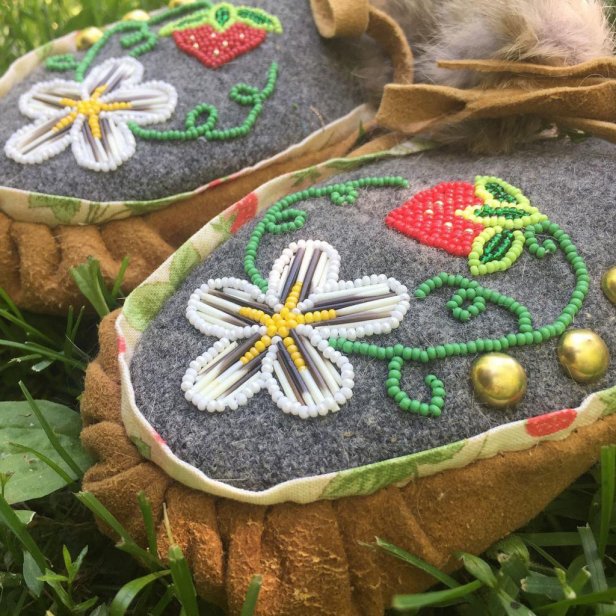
(280, 219)
(470, 290)
(240, 93)
(140, 32)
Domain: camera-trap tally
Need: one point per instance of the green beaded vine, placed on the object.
(138, 35)
(281, 218)
(241, 93)
(469, 300)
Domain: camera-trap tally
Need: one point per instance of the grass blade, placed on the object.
(608, 493)
(558, 539)
(10, 519)
(148, 520)
(252, 596)
(126, 595)
(417, 562)
(43, 351)
(117, 283)
(593, 598)
(51, 435)
(87, 279)
(31, 573)
(420, 600)
(163, 603)
(100, 511)
(594, 564)
(182, 581)
(43, 458)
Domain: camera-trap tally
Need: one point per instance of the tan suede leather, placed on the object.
(313, 558)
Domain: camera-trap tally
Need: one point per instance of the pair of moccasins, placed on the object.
(290, 373)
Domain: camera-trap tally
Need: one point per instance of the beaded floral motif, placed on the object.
(93, 116)
(483, 222)
(219, 34)
(285, 330)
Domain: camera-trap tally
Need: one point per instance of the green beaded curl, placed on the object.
(241, 93)
(137, 35)
(470, 301)
(281, 218)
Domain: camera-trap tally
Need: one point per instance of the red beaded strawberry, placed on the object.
(483, 222)
(430, 218)
(221, 33)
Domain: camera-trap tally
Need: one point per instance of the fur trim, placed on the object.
(550, 32)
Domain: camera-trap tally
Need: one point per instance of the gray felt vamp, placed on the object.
(257, 446)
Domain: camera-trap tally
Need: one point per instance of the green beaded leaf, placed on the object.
(369, 479)
(497, 247)
(194, 20)
(259, 18)
(495, 250)
(499, 192)
(494, 190)
(222, 16)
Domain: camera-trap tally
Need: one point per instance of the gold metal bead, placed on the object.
(88, 37)
(583, 355)
(175, 3)
(608, 284)
(136, 15)
(498, 380)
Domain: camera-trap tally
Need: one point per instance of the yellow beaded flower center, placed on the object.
(91, 108)
(281, 324)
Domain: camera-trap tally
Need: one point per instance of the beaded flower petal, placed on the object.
(91, 116)
(278, 340)
(484, 222)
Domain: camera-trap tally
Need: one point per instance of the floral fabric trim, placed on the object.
(147, 300)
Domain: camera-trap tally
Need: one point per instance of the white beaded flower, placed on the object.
(278, 340)
(91, 116)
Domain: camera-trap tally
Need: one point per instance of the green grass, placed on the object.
(54, 561)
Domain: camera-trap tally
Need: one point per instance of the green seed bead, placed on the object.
(405, 404)
(392, 391)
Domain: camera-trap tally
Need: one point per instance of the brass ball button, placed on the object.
(88, 37)
(136, 15)
(608, 284)
(498, 380)
(583, 355)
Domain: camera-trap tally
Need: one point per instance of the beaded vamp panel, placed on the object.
(289, 334)
(380, 317)
(179, 100)
(101, 116)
